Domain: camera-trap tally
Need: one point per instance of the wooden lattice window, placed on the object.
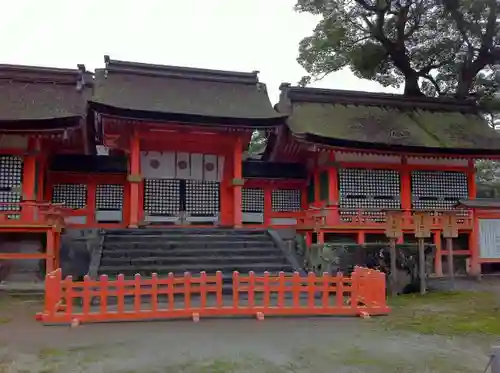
(73, 196)
(286, 200)
(438, 189)
(252, 200)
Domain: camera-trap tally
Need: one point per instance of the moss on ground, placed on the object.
(366, 360)
(445, 313)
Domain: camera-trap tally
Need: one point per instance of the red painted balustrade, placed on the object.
(189, 296)
(30, 213)
(335, 217)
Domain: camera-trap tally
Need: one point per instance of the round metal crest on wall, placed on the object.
(154, 163)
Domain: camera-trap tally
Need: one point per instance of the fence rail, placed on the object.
(188, 296)
(376, 218)
(36, 213)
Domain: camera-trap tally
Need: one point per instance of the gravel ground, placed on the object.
(304, 345)
(221, 346)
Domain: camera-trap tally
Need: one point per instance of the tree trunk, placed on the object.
(465, 83)
(411, 86)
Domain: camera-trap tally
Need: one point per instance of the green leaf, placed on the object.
(448, 47)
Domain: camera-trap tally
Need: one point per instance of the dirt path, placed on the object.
(223, 346)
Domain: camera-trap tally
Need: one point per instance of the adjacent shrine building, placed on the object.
(368, 153)
(138, 144)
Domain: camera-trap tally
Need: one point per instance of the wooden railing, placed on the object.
(34, 216)
(66, 301)
(30, 213)
(372, 218)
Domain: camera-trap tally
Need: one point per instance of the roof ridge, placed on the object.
(180, 72)
(350, 97)
(79, 76)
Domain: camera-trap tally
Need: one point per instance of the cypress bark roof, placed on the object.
(361, 119)
(184, 94)
(31, 94)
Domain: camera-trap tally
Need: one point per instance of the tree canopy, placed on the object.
(257, 144)
(432, 47)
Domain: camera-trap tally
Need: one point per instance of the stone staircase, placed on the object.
(178, 250)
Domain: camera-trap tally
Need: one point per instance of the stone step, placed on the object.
(186, 238)
(210, 245)
(227, 280)
(147, 270)
(183, 231)
(189, 260)
(226, 276)
(227, 288)
(194, 252)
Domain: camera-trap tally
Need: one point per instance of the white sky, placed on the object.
(240, 35)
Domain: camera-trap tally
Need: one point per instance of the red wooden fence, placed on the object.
(190, 296)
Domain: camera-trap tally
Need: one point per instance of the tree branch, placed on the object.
(490, 25)
(433, 82)
(402, 18)
(426, 70)
(462, 26)
(373, 8)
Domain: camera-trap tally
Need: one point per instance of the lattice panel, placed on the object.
(109, 197)
(9, 197)
(73, 196)
(367, 189)
(202, 197)
(438, 189)
(11, 171)
(286, 200)
(365, 182)
(162, 196)
(252, 200)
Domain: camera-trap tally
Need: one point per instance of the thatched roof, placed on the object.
(375, 120)
(183, 94)
(42, 98)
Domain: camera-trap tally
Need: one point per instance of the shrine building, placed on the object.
(140, 148)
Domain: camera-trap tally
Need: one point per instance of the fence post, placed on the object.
(52, 292)
(382, 289)
(356, 287)
(236, 290)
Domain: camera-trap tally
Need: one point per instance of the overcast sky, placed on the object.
(241, 35)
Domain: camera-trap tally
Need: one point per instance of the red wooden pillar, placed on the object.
(321, 237)
(405, 187)
(333, 190)
(268, 204)
(50, 251)
(405, 190)
(28, 185)
(317, 196)
(361, 238)
(134, 179)
(237, 182)
(29, 172)
(475, 265)
(471, 179)
(333, 182)
(91, 196)
(303, 200)
(226, 187)
(41, 177)
(308, 239)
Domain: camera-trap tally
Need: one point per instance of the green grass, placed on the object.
(368, 360)
(445, 313)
